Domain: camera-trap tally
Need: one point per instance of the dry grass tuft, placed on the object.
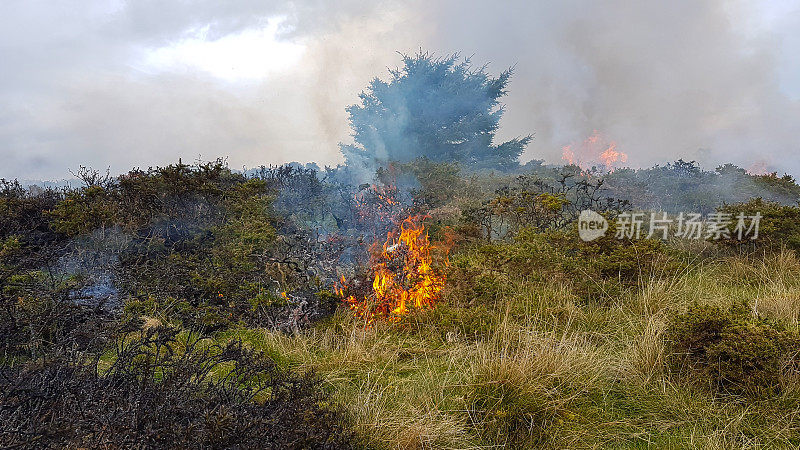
(532, 365)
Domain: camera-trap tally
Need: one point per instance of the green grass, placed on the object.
(533, 365)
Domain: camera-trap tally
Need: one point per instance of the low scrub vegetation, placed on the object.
(195, 306)
(731, 350)
(441, 298)
(779, 226)
(160, 389)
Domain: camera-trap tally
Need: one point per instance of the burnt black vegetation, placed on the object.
(163, 390)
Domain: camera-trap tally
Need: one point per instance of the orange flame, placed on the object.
(568, 155)
(377, 205)
(611, 156)
(404, 275)
(594, 151)
(382, 196)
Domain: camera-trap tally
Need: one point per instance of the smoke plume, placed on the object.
(710, 81)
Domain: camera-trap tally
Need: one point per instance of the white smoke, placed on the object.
(712, 81)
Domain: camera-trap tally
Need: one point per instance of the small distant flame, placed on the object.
(758, 168)
(568, 155)
(403, 275)
(611, 156)
(594, 151)
(385, 195)
(377, 206)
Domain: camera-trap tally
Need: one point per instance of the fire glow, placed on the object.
(403, 275)
(592, 152)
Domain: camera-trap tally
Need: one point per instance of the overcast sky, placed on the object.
(122, 84)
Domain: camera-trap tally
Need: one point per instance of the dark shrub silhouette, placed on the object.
(161, 389)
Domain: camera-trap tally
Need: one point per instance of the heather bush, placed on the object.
(731, 351)
(206, 238)
(541, 203)
(161, 389)
(599, 269)
(779, 225)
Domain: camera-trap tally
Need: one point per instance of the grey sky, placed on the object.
(139, 83)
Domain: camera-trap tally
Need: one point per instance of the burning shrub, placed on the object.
(730, 350)
(166, 391)
(377, 206)
(403, 275)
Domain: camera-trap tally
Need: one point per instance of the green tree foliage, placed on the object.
(434, 183)
(440, 108)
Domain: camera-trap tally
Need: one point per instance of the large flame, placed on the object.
(403, 275)
(592, 152)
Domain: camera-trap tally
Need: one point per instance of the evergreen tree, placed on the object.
(438, 108)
